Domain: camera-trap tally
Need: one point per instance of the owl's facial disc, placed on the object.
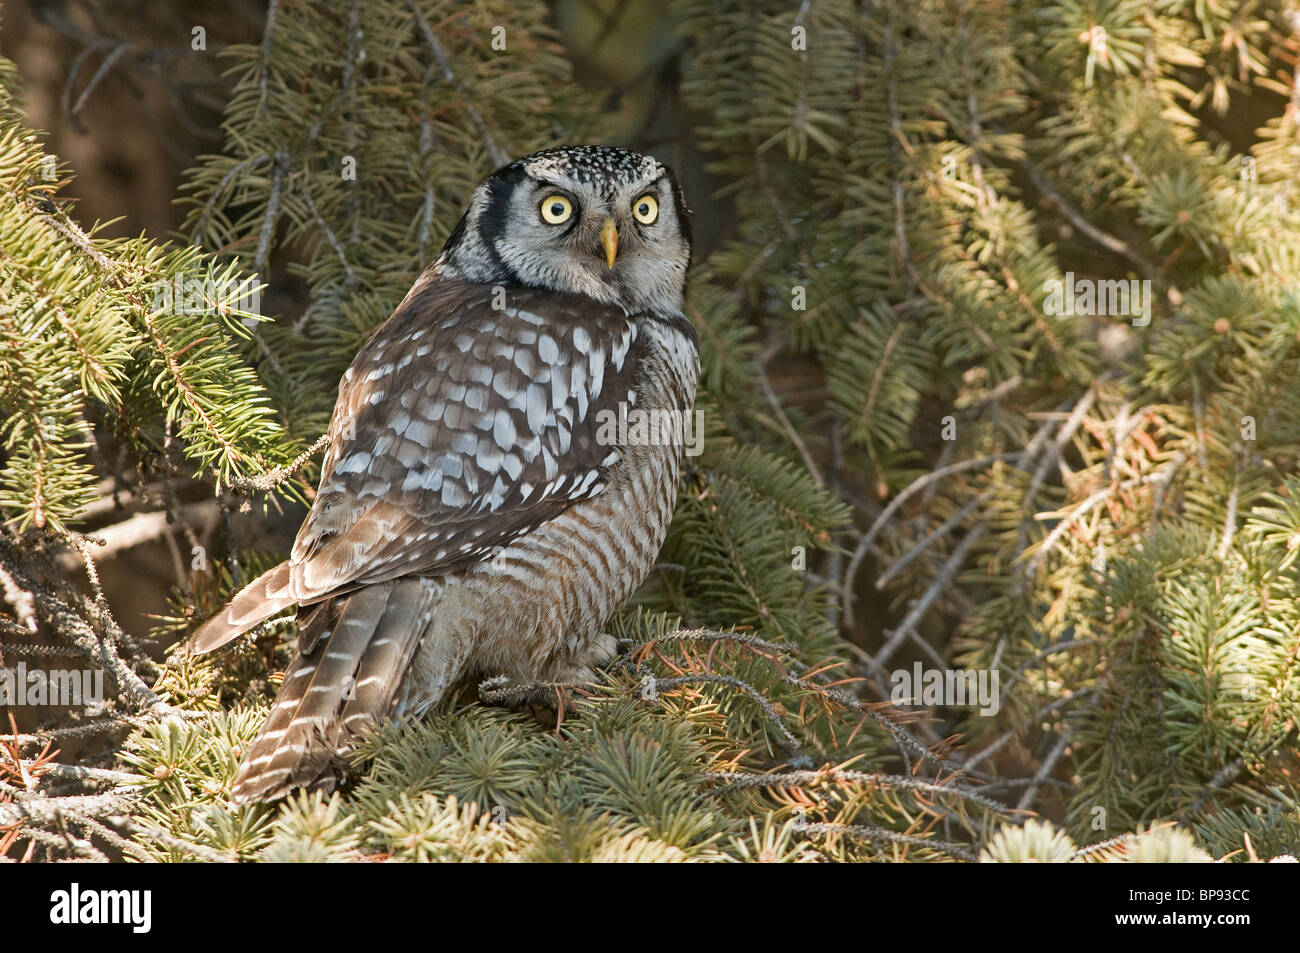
(592, 220)
(617, 241)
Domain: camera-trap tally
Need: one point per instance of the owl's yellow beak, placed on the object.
(609, 241)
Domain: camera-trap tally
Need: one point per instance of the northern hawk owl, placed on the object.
(473, 519)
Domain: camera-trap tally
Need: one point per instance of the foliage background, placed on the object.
(907, 458)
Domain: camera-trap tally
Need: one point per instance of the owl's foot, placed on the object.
(502, 692)
(553, 693)
(604, 649)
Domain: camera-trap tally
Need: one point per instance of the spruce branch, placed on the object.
(498, 157)
(880, 834)
(907, 629)
(1102, 240)
(865, 539)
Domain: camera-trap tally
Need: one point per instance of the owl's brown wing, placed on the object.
(461, 426)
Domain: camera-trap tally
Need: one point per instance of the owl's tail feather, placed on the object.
(262, 598)
(331, 694)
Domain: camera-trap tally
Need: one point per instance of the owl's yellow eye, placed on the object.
(556, 209)
(645, 209)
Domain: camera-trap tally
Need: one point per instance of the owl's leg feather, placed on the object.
(444, 652)
(599, 651)
(604, 649)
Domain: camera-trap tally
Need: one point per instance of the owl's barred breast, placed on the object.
(535, 610)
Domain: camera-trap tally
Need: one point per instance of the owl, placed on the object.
(474, 518)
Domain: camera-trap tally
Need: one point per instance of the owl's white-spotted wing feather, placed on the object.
(460, 427)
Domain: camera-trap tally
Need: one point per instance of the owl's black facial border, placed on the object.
(500, 186)
(683, 213)
(666, 189)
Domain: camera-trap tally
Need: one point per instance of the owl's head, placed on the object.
(594, 220)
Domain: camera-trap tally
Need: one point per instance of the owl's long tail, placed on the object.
(265, 596)
(353, 652)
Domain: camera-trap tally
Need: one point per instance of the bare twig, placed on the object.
(47, 811)
(907, 628)
(23, 603)
(957, 519)
(871, 832)
(1225, 774)
(82, 773)
(760, 370)
(1092, 233)
(104, 67)
(1044, 769)
(273, 478)
(143, 528)
(278, 172)
(789, 742)
(920, 483)
(740, 779)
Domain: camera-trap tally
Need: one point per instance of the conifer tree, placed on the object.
(999, 340)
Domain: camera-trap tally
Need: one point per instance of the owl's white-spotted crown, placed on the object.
(505, 238)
